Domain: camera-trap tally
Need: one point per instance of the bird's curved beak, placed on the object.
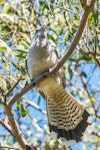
(43, 31)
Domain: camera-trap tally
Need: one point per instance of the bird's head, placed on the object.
(41, 33)
(40, 38)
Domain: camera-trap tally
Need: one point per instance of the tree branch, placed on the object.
(35, 106)
(5, 125)
(14, 127)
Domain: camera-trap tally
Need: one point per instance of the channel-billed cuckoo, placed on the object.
(68, 121)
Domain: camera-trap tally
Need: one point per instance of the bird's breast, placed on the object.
(40, 60)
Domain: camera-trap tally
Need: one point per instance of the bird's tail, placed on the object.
(69, 122)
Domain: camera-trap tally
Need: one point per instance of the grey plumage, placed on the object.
(66, 117)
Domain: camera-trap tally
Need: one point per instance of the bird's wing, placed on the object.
(63, 78)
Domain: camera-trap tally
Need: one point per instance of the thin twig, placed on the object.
(89, 96)
(11, 89)
(96, 134)
(4, 147)
(6, 125)
(35, 106)
(63, 8)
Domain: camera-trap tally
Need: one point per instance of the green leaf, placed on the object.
(81, 1)
(84, 74)
(19, 67)
(21, 49)
(52, 1)
(25, 44)
(3, 84)
(3, 48)
(18, 104)
(1, 105)
(70, 72)
(23, 110)
(39, 100)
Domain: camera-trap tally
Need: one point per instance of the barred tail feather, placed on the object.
(69, 122)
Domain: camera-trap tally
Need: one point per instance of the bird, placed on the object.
(69, 122)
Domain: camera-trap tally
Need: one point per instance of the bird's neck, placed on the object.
(41, 42)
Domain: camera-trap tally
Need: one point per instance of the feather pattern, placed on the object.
(68, 120)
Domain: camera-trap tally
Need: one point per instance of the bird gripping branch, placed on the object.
(68, 121)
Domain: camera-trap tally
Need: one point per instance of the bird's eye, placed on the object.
(37, 30)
